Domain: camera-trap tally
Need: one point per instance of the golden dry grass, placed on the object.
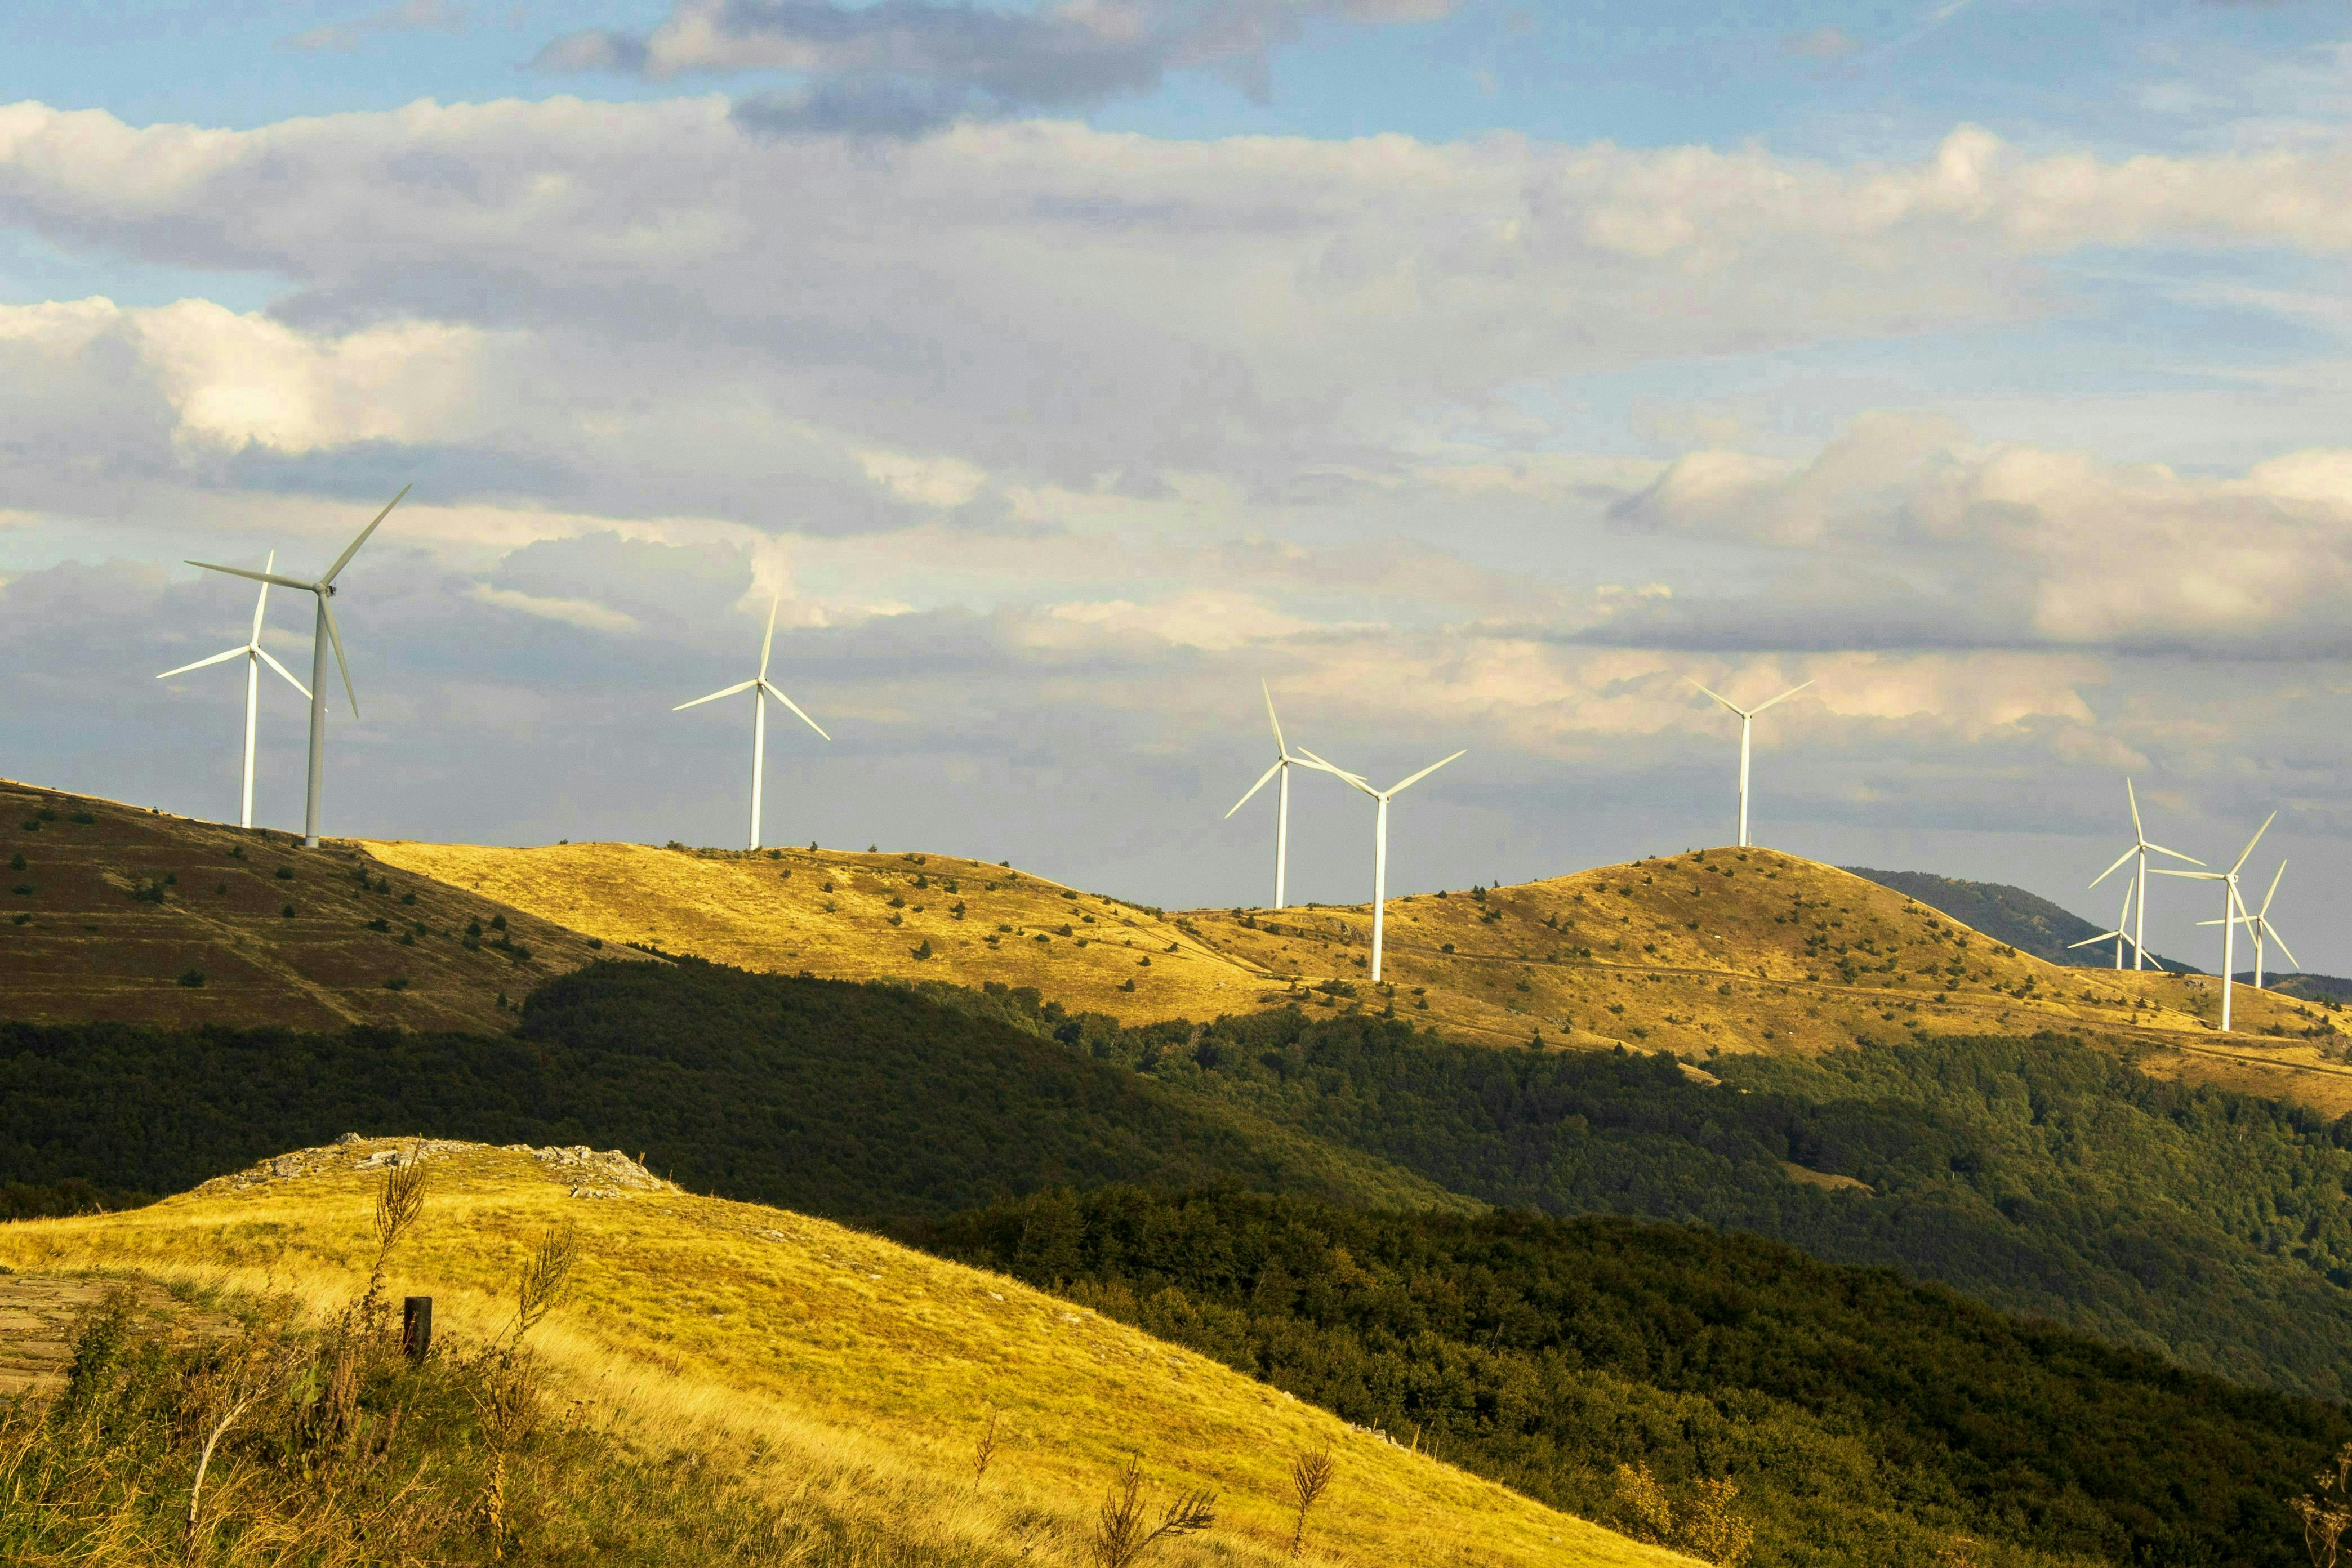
(833, 915)
(813, 1360)
(1715, 950)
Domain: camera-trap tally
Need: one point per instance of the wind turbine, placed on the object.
(2233, 908)
(2123, 917)
(322, 632)
(1747, 728)
(760, 691)
(252, 652)
(1380, 834)
(1283, 762)
(2260, 921)
(2142, 848)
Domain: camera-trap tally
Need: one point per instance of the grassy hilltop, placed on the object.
(1716, 951)
(832, 1376)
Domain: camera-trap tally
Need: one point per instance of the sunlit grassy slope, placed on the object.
(1715, 950)
(115, 906)
(861, 917)
(811, 1358)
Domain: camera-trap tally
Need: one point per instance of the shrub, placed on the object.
(379, 923)
(27, 889)
(83, 818)
(598, 942)
(396, 983)
(285, 873)
(193, 979)
(16, 862)
(408, 897)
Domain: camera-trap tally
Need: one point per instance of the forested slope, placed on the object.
(1865, 1420)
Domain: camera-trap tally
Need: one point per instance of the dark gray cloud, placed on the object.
(902, 68)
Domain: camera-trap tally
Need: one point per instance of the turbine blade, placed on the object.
(271, 659)
(1720, 697)
(1262, 779)
(2271, 932)
(2103, 936)
(261, 600)
(1782, 698)
(770, 641)
(353, 548)
(796, 707)
(2176, 854)
(2132, 795)
(216, 658)
(2111, 870)
(2274, 882)
(335, 639)
(2257, 839)
(2192, 875)
(1279, 745)
(1356, 779)
(260, 577)
(738, 686)
(1401, 788)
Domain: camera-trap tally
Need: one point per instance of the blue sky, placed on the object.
(1470, 372)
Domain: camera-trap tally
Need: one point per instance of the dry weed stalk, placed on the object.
(983, 1449)
(399, 1200)
(545, 1276)
(1310, 1475)
(1121, 1534)
(2326, 1516)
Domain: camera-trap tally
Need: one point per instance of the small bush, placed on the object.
(285, 873)
(498, 922)
(396, 983)
(193, 980)
(286, 912)
(16, 862)
(598, 942)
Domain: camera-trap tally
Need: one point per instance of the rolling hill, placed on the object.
(838, 1378)
(118, 912)
(1724, 951)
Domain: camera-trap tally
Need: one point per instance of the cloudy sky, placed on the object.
(1471, 372)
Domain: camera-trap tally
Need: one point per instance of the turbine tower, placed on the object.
(2142, 848)
(254, 655)
(2122, 919)
(1380, 834)
(760, 691)
(1747, 729)
(2233, 908)
(322, 632)
(2260, 921)
(1283, 762)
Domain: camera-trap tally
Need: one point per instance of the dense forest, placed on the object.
(1866, 1420)
(828, 1097)
(2040, 1175)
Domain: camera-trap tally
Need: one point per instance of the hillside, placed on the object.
(2027, 922)
(1545, 1353)
(835, 1376)
(852, 916)
(1732, 952)
(1719, 950)
(2042, 1177)
(118, 913)
(820, 1095)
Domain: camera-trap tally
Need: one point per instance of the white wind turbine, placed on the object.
(2142, 848)
(2260, 921)
(2122, 919)
(1747, 729)
(760, 691)
(2233, 908)
(1380, 834)
(254, 655)
(322, 632)
(1283, 762)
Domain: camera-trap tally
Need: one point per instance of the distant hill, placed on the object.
(2027, 922)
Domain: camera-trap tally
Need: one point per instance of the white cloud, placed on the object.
(406, 16)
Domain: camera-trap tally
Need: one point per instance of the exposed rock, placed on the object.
(588, 1173)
